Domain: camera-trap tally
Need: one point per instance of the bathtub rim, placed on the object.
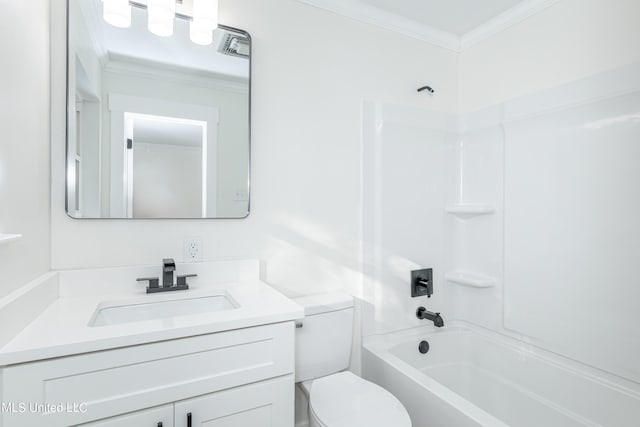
(385, 342)
(381, 346)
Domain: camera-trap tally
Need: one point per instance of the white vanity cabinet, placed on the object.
(237, 378)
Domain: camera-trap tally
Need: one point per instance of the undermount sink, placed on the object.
(140, 311)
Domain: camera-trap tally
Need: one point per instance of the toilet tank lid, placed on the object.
(324, 303)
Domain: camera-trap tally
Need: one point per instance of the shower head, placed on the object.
(427, 88)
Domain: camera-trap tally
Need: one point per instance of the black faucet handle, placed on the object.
(426, 284)
(422, 282)
(154, 282)
(168, 264)
(182, 279)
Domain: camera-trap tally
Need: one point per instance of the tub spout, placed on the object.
(422, 313)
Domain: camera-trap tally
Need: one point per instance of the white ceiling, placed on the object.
(453, 24)
(178, 50)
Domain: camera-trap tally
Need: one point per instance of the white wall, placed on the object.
(564, 228)
(566, 214)
(405, 194)
(407, 157)
(24, 141)
(558, 167)
(572, 235)
(311, 71)
(568, 41)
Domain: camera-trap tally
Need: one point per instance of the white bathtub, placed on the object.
(471, 377)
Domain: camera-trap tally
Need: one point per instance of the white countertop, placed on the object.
(63, 328)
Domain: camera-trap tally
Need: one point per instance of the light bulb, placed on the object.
(161, 16)
(200, 32)
(117, 13)
(205, 20)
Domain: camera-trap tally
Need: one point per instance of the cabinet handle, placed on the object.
(189, 419)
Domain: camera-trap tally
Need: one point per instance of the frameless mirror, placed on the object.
(157, 127)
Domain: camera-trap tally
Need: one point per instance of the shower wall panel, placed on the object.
(572, 223)
(406, 160)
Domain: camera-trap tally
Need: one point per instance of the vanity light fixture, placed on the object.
(205, 20)
(117, 13)
(161, 16)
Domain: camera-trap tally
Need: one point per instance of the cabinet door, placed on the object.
(263, 404)
(161, 416)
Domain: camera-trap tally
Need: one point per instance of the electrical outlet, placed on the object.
(193, 249)
(241, 195)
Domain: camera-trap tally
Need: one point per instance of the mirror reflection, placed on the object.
(157, 126)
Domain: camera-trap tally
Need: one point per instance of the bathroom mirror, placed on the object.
(157, 127)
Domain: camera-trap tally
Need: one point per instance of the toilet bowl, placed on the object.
(336, 397)
(346, 400)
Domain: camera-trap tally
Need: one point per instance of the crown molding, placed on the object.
(128, 66)
(389, 21)
(372, 15)
(505, 20)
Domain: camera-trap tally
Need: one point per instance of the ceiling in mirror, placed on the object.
(158, 126)
(138, 43)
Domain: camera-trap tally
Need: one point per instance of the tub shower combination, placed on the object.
(531, 227)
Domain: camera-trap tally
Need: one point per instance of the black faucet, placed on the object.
(168, 267)
(422, 313)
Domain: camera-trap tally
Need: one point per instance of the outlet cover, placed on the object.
(193, 249)
(241, 195)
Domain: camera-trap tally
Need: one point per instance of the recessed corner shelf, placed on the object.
(470, 279)
(6, 238)
(470, 210)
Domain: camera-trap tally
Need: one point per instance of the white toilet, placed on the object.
(323, 349)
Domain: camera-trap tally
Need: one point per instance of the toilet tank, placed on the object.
(323, 339)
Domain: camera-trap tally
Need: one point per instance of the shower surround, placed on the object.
(527, 211)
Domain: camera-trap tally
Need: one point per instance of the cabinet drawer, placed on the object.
(125, 380)
(155, 417)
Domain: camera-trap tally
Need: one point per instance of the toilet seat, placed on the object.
(346, 400)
